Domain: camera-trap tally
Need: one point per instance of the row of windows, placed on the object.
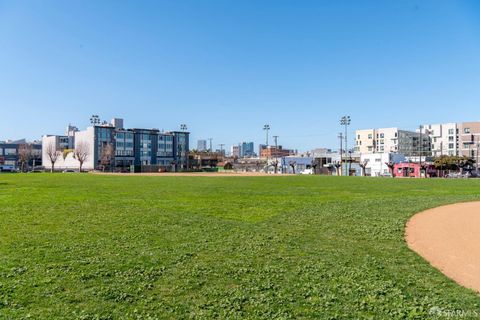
(165, 138)
(124, 153)
(164, 154)
(122, 145)
(124, 135)
(8, 151)
(162, 145)
(104, 133)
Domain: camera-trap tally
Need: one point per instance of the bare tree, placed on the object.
(52, 154)
(391, 166)
(82, 152)
(363, 165)
(275, 166)
(24, 155)
(106, 155)
(293, 164)
(337, 165)
(314, 167)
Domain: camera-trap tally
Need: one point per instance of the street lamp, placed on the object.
(266, 128)
(345, 121)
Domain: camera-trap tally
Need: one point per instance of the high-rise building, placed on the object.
(247, 149)
(235, 151)
(201, 145)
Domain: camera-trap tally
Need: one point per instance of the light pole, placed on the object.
(266, 127)
(345, 121)
(210, 139)
(476, 161)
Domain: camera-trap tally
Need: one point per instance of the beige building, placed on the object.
(468, 138)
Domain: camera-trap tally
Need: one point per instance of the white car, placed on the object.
(307, 171)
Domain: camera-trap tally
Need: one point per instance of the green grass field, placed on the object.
(114, 247)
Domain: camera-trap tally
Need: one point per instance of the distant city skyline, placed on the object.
(227, 68)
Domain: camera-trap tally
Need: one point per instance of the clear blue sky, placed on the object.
(225, 68)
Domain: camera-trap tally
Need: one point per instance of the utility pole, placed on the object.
(441, 157)
(420, 150)
(345, 121)
(276, 154)
(210, 139)
(221, 148)
(340, 137)
(476, 162)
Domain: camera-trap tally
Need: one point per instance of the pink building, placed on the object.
(412, 170)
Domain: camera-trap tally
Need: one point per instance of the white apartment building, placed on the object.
(391, 140)
(443, 137)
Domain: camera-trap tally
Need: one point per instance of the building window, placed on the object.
(450, 131)
(466, 130)
(450, 146)
(10, 151)
(450, 138)
(369, 136)
(382, 135)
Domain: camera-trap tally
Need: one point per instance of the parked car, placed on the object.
(7, 168)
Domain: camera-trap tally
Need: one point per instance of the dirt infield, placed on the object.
(195, 174)
(449, 238)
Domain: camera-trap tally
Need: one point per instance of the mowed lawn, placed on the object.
(116, 247)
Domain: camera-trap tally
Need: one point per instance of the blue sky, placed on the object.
(225, 68)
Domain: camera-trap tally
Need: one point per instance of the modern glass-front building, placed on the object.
(118, 148)
(9, 153)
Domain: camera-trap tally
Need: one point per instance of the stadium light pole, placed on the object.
(345, 121)
(95, 119)
(266, 127)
